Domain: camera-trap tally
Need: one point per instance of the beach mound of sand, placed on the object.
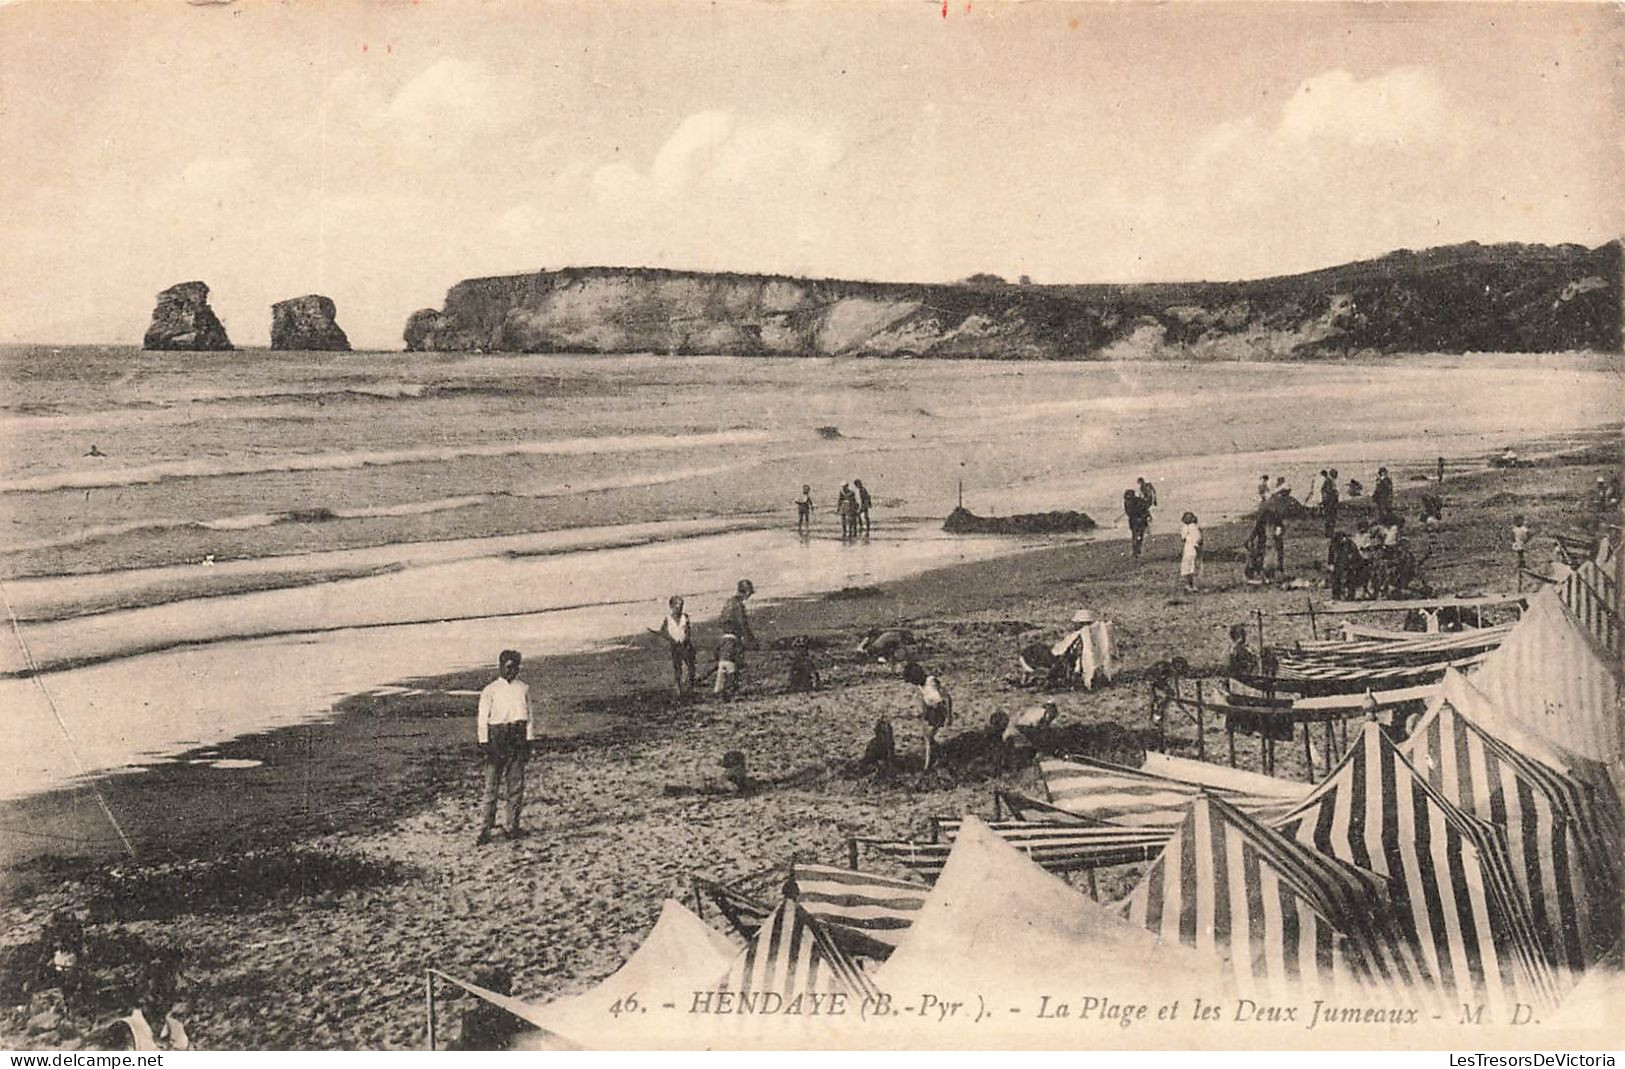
(963, 521)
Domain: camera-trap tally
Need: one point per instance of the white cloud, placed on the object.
(451, 96)
(688, 151)
(1400, 105)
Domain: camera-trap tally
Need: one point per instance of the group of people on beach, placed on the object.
(852, 505)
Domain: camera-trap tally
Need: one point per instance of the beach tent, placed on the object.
(1592, 595)
(680, 954)
(1290, 921)
(995, 924)
(1057, 846)
(1549, 678)
(793, 955)
(865, 912)
(1567, 876)
(1140, 799)
(1450, 873)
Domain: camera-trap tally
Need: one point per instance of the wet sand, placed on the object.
(393, 779)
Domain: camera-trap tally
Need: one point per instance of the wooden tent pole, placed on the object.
(1201, 724)
(1308, 755)
(428, 998)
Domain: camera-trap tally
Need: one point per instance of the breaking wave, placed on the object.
(93, 478)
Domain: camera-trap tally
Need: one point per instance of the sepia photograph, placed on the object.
(907, 525)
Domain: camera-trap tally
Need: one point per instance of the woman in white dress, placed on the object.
(1190, 533)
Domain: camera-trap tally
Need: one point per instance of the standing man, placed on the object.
(1139, 517)
(505, 729)
(1329, 501)
(863, 506)
(1382, 496)
(1148, 494)
(675, 629)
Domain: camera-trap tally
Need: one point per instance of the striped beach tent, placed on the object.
(867, 913)
(1592, 595)
(793, 954)
(1290, 920)
(1139, 799)
(1549, 678)
(1452, 880)
(1567, 897)
(1058, 847)
(1593, 811)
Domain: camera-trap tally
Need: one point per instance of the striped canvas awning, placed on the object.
(1573, 901)
(1296, 673)
(793, 954)
(1139, 799)
(1452, 880)
(866, 912)
(1289, 920)
(1549, 678)
(1412, 648)
(1056, 847)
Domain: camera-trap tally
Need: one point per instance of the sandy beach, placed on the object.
(360, 830)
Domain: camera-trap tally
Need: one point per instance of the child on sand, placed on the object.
(677, 632)
(729, 648)
(1190, 533)
(1520, 545)
(936, 705)
(804, 507)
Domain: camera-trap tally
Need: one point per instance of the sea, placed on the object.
(198, 546)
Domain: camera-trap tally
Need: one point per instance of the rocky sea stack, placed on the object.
(183, 321)
(307, 322)
(420, 328)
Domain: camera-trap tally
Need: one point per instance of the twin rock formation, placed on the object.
(184, 322)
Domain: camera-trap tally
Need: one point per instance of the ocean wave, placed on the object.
(628, 482)
(93, 478)
(249, 521)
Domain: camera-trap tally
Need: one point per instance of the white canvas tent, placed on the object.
(680, 954)
(1550, 680)
(995, 922)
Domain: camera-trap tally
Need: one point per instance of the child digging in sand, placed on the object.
(936, 705)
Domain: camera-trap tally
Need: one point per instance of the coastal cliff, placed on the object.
(1460, 298)
(308, 322)
(183, 321)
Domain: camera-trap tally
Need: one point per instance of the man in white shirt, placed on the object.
(505, 728)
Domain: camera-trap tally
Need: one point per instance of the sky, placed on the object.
(379, 152)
